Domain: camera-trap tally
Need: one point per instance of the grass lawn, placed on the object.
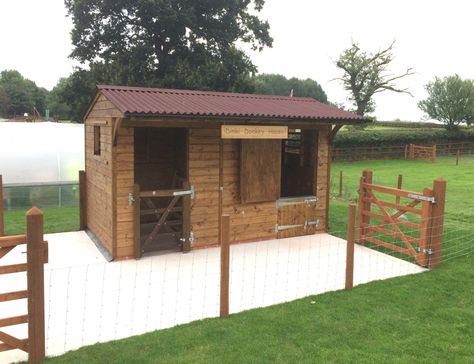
(426, 318)
(55, 220)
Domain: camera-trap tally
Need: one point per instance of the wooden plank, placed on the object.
(160, 222)
(391, 233)
(13, 268)
(161, 193)
(254, 132)
(260, 170)
(408, 224)
(391, 190)
(12, 241)
(437, 222)
(136, 222)
(5, 251)
(399, 207)
(6, 347)
(13, 342)
(349, 284)
(225, 258)
(15, 320)
(11, 296)
(82, 201)
(390, 246)
(35, 282)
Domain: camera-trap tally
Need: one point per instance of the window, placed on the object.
(260, 170)
(96, 140)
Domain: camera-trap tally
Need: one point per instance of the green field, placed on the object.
(426, 318)
(55, 220)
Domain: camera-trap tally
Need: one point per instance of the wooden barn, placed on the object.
(163, 165)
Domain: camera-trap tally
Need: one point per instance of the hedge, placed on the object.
(380, 137)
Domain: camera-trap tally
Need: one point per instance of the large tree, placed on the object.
(450, 100)
(365, 74)
(172, 43)
(274, 84)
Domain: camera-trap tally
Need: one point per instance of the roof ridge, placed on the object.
(207, 92)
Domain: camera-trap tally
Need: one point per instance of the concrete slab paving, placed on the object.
(89, 300)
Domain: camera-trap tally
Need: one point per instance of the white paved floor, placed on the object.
(88, 300)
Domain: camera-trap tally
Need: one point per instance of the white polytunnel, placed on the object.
(42, 152)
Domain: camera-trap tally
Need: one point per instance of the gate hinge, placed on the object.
(305, 225)
(131, 198)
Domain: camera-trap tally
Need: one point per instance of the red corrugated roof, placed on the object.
(158, 101)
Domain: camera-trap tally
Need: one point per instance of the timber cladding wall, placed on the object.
(124, 181)
(99, 172)
(249, 221)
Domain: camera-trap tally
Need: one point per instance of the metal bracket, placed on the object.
(191, 237)
(306, 224)
(131, 199)
(422, 198)
(428, 251)
(291, 202)
(184, 193)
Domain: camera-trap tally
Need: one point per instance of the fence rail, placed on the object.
(396, 151)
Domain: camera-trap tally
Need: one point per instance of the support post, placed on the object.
(457, 159)
(412, 152)
(2, 217)
(340, 183)
(433, 153)
(186, 246)
(35, 280)
(437, 222)
(399, 186)
(406, 151)
(363, 204)
(137, 246)
(82, 201)
(350, 247)
(225, 252)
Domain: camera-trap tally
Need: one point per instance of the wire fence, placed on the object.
(88, 300)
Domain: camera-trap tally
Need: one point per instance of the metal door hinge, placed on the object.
(305, 225)
(131, 198)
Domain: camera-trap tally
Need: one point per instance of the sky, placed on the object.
(435, 38)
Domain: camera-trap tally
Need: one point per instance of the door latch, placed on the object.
(131, 198)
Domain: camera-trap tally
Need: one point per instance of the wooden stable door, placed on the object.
(296, 216)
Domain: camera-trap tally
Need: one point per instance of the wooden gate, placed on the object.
(296, 216)
(36, 257)
(162, 219)
(411, 225)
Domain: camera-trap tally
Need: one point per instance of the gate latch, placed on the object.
(131, 198)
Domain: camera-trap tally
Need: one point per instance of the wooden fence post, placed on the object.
(350, 247)
(399, 186)
(406, 151)
(340, 183)
(412, 152)
(2, 221)
(35, 280)
(457, 159)
(363, 204)
(137, 246)
(437, 222)
(433, 153)
(82, 201)
(225, 252)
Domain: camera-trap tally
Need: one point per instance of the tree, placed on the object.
(450, 100)
(56, 103)
(20, 95)
(366, 74)
(274, 84)
(169, 43)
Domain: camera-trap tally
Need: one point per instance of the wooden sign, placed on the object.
(254, 132)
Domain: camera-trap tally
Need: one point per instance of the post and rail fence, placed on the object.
(412, 227)
(348, 154)
(36, 257)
